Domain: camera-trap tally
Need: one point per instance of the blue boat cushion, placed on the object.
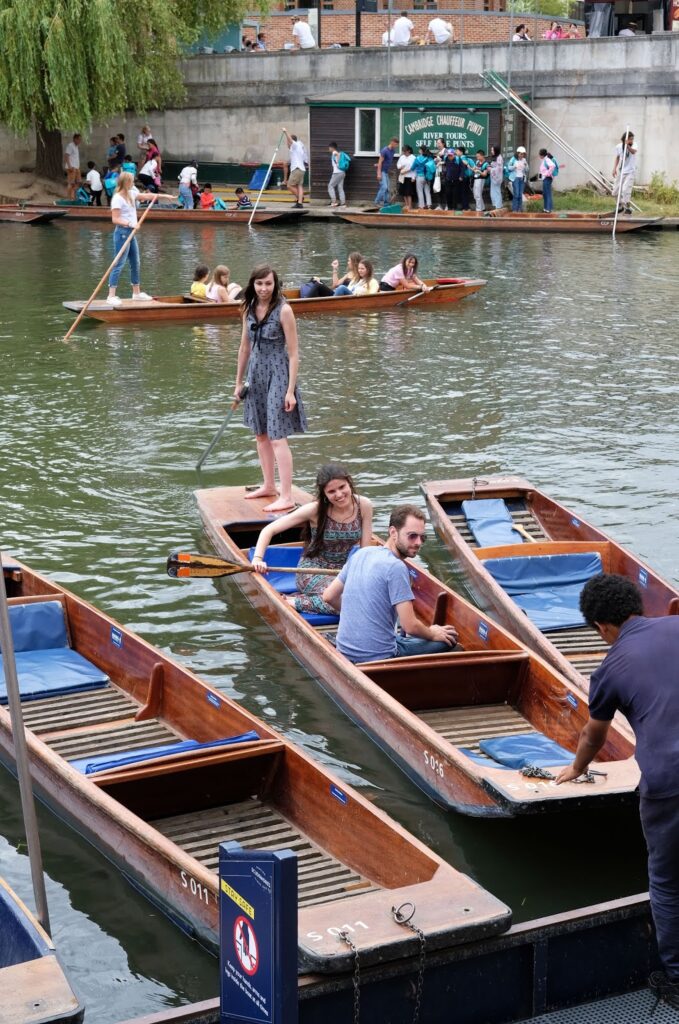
(547, 587)
(46, 665)
(102, 762)
(20, 939)
(490, 522)
(38, 626)
(531, 748)
(286, 582)
(481, 759)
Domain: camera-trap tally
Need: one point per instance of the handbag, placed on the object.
(436, 187)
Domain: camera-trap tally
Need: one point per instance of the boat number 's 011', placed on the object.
(197, 888)
(433, 763)
(336, 929)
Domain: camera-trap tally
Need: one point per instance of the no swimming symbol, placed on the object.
(245, 944)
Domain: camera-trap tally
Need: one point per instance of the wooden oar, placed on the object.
(118, 257)
(182, 565)
(524, 533)
(415, 296)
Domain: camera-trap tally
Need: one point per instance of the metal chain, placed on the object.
(531, 771)
(344, 935)
(588, 776)
(405, 919)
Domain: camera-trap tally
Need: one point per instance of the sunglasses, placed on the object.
(416, 536)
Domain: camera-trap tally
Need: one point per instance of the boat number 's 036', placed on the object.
(197, 888)
(336, 929)
(433, 763)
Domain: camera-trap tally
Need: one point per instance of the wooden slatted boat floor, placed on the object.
(256, 825)
(520, 516)
(99, 722)
(581, 645)
(466, 726)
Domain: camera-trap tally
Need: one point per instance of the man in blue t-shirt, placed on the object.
(640, 677)
(373, 591)
(384, 165)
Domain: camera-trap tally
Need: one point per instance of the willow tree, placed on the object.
(67, 64)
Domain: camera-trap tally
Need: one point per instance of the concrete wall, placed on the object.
(588, 90)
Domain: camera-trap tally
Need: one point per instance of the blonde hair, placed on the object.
(219, 273)
(125, 182)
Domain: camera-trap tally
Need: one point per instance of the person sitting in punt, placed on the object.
(221, 288)
(351, 276)
(366, 283)
(201, 276)
(207, 199)
(373, 591)
(243, 201)
(335, 522)
(403, 277)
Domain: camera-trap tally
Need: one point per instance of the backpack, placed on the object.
(220, 204)
(83, 196)
(430, 169)
(555, 172)
(343, 161)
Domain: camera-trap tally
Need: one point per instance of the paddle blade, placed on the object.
(183, 565)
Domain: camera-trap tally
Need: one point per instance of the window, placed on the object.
(367, 131)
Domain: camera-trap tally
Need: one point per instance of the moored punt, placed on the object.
(434, 714)
(500, 220)
(561, 554)
(159, 214)
(156, 769)
(20, 214)
(184, 307)
(33, 986)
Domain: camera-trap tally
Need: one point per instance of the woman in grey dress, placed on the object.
(268, 358)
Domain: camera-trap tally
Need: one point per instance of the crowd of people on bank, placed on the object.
(449, 178)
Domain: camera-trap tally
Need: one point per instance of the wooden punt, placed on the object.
(184, 307)
(160, 820)
(469, 220)
(422, 710)
(159, 214)
(575, 651)
(33, 986)
(21, 215)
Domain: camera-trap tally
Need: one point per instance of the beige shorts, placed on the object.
(296, 177)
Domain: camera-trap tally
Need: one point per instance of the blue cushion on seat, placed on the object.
(315, 619)
(531, 748)
(490, 522)
(481, 759)
(547, 587)
(287, 557)
(38, 626)
(102, 762)
(52, 673)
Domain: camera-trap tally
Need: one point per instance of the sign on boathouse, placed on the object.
(457, 127)
(257, 935)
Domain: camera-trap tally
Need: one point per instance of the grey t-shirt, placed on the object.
(375, 581)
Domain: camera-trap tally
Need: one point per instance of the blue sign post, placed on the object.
(258, 935)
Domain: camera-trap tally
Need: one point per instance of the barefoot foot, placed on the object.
(280, 505)
(262, 492)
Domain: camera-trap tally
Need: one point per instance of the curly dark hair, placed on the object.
(610, 599)
(330, 471)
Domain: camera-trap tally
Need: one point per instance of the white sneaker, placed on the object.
(114, 300)
(143, 297)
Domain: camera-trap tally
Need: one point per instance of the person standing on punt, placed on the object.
(373, 592)
(640, 677)
(273, 410)
(334, 523)
(124, 217)
(626, 164)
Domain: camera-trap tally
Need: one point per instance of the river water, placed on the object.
(563, 369)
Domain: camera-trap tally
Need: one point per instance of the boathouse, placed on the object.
(362, 124)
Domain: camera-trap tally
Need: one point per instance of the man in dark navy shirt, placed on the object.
(640, 678)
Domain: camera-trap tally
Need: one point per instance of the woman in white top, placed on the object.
(365, 283)
(148, 175)
(220, 288)
(406, 177)
(124, 217)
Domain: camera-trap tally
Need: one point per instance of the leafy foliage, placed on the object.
(662, 191)
(559, 9)
(68, 63)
